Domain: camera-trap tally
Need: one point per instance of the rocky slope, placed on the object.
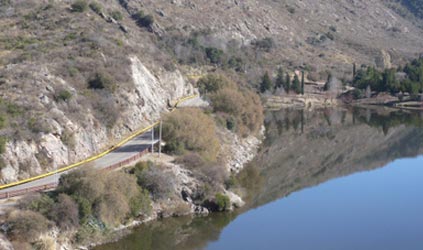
(56, 118)
(52, 58)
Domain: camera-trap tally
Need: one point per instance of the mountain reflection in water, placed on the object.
(302, 149)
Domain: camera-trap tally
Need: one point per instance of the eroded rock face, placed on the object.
(4, 243)
(69, 140)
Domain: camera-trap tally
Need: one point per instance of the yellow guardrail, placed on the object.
(132, 136)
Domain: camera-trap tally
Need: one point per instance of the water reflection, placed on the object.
(302, 149)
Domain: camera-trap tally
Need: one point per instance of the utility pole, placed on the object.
(160, 138)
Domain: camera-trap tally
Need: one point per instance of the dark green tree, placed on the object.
(296, 87)
(302, 82)
(287, 83)
(280, 81)
(266, 83)
(327, 84)
(354, 70)
(389, 82)
(215, 55)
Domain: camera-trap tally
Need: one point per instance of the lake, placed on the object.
(324, 179)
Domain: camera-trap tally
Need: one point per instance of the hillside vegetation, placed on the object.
(76, 76)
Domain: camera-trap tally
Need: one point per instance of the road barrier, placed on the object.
(72, 166)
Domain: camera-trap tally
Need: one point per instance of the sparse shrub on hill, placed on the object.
(102, 80)
(79, 6)
(117, 15)
(3, 141)
(96, 7)
(143, 20)
(63, 95)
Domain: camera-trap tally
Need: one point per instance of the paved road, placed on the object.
(128, 150)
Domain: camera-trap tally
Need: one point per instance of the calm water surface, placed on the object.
(331, 179)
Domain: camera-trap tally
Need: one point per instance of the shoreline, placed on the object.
(248, 148)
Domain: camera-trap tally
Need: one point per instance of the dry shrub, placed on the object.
(26, 226)
(213, 174)
(21, 245)
(180, 209)
(87, 183)
(243, 106)
(113, 196)
(240, 108)
(190, 160)
(45, 243)
(65, 212)
(160, 183)
(112, 208)
(190, 130)
(40, 203)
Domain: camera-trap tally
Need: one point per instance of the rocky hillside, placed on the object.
(72, 83)
(75, 78)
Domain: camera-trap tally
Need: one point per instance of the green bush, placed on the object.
(3, 141)
(117, 15)
(79, 6)
(84, 208)
(64, 95)
(266, 44)
(40, 203)
(143, 20)
(2, 121)
(231, 123)
(13, 109)
(96, 192)
(212, 83)
(222, 201)
(214, 55)
(140, 204)
(102, 80)
(236, 63)
(96, 7)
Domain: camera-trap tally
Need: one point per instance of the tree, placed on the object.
(280, 81)
(327, 84)
(287, 83)
(266, 83)
(296, 84)
(389, 81)
(302, 82)
(354, 70)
